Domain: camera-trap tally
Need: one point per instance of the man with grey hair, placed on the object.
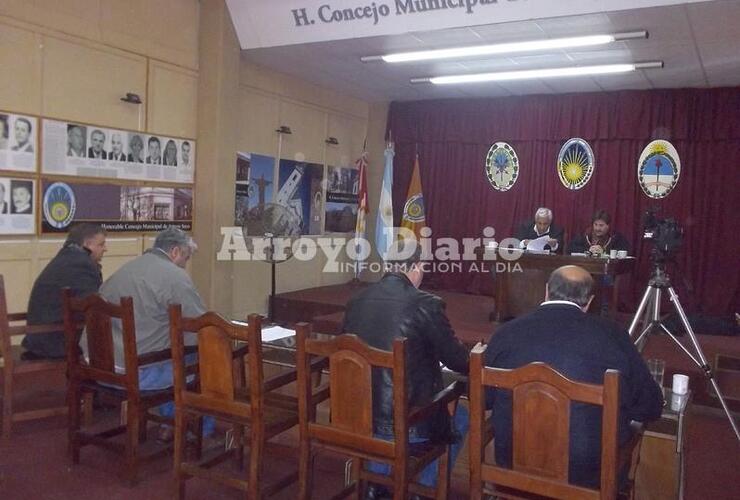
(541, 226)
(582, 347)
(154, 280)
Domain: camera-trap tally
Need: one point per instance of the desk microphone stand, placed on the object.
(649, 313)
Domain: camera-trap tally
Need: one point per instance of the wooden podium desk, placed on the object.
(519, 282)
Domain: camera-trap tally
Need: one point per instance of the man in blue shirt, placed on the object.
(582, 347)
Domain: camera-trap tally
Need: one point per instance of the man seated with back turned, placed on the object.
(394, 307)
(582, 347)
(77, 266)
(155, 280)
(541, 226)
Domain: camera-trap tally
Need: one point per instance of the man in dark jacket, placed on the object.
(77, 266)
(541, 226)
(582, 347)
(394, 307)
(600, 239)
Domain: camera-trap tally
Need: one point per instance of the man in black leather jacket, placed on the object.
(394, 307)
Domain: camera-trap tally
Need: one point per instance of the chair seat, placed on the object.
(280, 412)
(21, 365)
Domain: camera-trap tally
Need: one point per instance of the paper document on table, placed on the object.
(275, 333)
(538, 244)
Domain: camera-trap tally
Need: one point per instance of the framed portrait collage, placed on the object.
(55, 173)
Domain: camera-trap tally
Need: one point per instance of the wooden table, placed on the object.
(520, 277)
(660, 473)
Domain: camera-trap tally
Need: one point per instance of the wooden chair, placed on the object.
(350, 430)
(100, 369)
(13, 325)
(541, 400)
(256, 410)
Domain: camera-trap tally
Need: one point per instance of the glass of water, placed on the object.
(657, 370)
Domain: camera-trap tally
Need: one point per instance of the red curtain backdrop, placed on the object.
(452, 138)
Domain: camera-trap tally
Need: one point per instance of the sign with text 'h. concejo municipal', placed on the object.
(271, 23)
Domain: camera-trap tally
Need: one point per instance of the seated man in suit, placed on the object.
(394, 307)
(541, 226)
(599, 239)
(77, 266)
(582, 347)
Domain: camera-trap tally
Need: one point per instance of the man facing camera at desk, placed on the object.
(581, 347)
(600, 239)
(540, 227)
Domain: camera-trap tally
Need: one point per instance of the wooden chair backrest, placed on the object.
(351, 364)
(541, 401)
(5, 343)
(9, 329)
(99, 316)
(216, 390)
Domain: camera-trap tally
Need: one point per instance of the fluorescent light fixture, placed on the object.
(506, 48)
(502, 76)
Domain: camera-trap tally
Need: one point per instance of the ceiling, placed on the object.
(699, 44)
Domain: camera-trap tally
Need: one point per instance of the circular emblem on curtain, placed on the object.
(658, 169)
(502, 166)
(59, 205)
(575, 163)
(413, 210)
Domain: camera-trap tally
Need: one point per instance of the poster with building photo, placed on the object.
(342, 184)
(17, 212)
(300, 192)
(18, 142)
(255, 184)
(92, 151)
(117, 208)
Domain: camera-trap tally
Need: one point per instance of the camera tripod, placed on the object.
(649, 313)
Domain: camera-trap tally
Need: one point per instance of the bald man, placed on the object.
(582, 347)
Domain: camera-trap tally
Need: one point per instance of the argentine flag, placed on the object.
(384, 221)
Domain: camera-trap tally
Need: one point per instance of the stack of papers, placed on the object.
(275, 333)
(270, 333)
(537, 245)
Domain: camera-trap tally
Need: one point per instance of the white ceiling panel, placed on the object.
(489, 89)
(524, 87)
(521, 30)
(448, 38)
(550, 60)
(572, 85)
(574, 26)
(721, 64)
(583, 57)
(662, 23)
(502, 64)
(716, 21)
(625, 81)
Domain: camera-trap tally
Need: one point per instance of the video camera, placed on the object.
(666, 234)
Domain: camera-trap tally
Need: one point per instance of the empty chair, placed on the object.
(253, 407)
(14, 364)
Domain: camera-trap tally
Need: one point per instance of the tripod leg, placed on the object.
(702, 361)
(650, 312)
(680, 344)
(640, 310)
